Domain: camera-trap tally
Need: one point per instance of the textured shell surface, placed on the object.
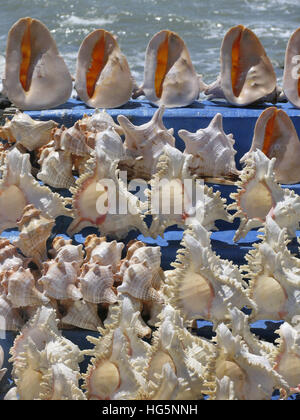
(99, 121)
(144, 144)
(96, 283)
(72, 140)
(276, 136)
(170, 78)
(63, 250)
(203, 286)
(102, 252)
(83, 315)
(10, 258)
(26, 131)
(247, 74)
(259, 195)
(291, 85)
(35, 229)
(34, 66)
(13, 320)
(56, 168)
(212, 150)
(103, 77)
(2, 371)
(19, 188)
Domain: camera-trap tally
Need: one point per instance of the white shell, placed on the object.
(291, 69)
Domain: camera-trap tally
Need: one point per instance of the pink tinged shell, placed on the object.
(46, 69)
(114, 83)
(60, 280)
(21, 289)
(96, 283)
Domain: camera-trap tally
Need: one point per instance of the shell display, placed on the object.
(103, 77)
(259, 195)
(34, 66)
(275, 135)
(144, 144)
(291, 84)
(247, 74)
(169, 75)
(31, 134)
(212, 150)
(203, 286)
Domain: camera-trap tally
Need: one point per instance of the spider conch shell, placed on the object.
(177, 198)
(103, 77)
(274, 275)
(276, 136)
(95, 201)
(110, 374)
(26, 131)
(56, 168)
(19, 188)
(46, 360)
(212, 150)
(259, 195)
(202, 286)
(287, 356)
(169, 76)
(240, 373)
(144, 144)
(247, 74)
(291, 80)
(36, 76)
(35, 229)
(2, 371)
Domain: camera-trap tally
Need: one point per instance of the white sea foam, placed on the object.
(76, 20)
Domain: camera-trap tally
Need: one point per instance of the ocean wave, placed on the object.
(78, 21)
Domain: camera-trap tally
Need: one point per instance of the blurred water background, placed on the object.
(201, 23)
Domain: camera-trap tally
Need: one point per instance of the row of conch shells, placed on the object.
(104, 80)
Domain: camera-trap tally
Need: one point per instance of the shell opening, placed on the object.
(104, 381)
(257, 201)
(26, 53)
(236, 65)
(162, 65)
(268, 294)
(270, 134)
(98, 61)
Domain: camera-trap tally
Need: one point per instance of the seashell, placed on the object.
(31, 134)
(203, 286)
(11, 316)
(72, 140)
(137, 282)
(241, 374)
(110, 142)
(212, 150)
(83, 315)
(247, 74)
(56, 168)
(291, 84)
(3, 155)
(10, 259)
(35, 229)
(110, 374)
(98, 121)
(169, 76)
(274, 275)
(21, 290)
(95, 201)
(259, 195)
(178, 199)
(96, 283)
(2, 371)
(19, 188)
(63, 250)
(103, 253)
(60, 279)
(144, 144)
(34, 66)
(276, 136)
(287, 355)
(103, 78)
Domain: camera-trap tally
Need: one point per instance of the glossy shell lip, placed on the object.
(48, 82)
(101, 59)
(250, 71)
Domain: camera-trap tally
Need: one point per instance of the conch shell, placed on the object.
(2, 371)
(31, 134)
(103, 77)
(260, 195)
(83, 315)
(56, 168)
(291, 79)
(212, 150)
(36, 76)
(247, 74)
(276, 136)
(169, 76)
(98, 121)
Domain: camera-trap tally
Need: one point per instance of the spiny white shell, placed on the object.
(212, 150)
